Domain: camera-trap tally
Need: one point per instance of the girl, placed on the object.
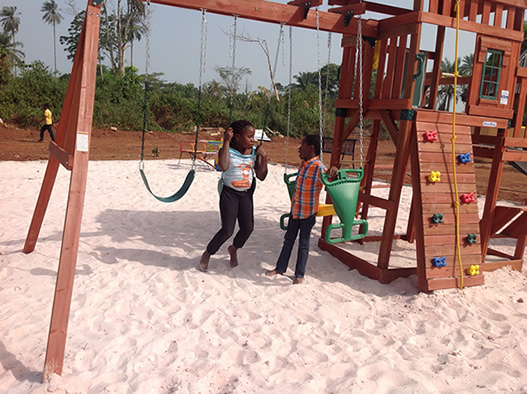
(240, 161)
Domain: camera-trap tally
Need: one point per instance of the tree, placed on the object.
(9, 54)
(70, 41)
(232, 78)
(10, 22)
(119, 27)
(52, 17)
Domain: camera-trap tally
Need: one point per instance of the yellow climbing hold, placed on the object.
(435, 176)
(473, 270)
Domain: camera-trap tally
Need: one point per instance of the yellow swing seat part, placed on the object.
(344, 192)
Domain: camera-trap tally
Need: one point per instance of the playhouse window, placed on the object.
(491, 74)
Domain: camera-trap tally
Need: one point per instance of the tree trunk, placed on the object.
(54, 49)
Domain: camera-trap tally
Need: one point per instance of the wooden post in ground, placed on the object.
(77, 135)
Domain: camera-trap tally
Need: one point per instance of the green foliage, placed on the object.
(119, 101)
(22, 98)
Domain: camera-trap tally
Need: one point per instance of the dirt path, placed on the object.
(21, 145)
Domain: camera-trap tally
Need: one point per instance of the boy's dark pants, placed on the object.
(50, 131)
(293, 227)
(234, 205)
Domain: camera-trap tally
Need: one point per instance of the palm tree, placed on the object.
(10, 22)
(52, 17)
(446, 92)
(12, 54)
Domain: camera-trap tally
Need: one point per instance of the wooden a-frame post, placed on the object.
(71, 149)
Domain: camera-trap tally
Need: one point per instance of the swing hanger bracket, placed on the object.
(95, 3)
(306, 4)
(348, 17)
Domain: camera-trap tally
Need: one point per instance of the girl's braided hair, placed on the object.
(240, 125)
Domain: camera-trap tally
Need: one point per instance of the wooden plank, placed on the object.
(518, 228)
(451, 250)
(438, 157)
(271, 12)
(507, 34)
(429, 116)
(433, 6)
(446, 166)
(387, 87)
(436, 71)
(447, 208)
(498, 15)
(483, 152)
(466, 179)
(389, 103)
(494, 265)
(485, 15)
(450, 229)
(401, 58)
(451, 283)
(521, 106)
(481, 110)
(452, 271)
(447, 8)
(61, 155)
(515, 155)
(442, 240)
(449, 218)
(380, 69)
(502, 216)
(462, 145)
(313, 3)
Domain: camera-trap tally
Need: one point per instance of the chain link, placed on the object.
(320, 120)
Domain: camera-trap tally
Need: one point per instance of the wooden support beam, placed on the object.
(53, 165)
(84, 96)
(268, 11)
(61, 155)
(492, 194)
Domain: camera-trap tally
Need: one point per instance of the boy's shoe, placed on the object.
(271, 273)
(40, 140)
(298, 281)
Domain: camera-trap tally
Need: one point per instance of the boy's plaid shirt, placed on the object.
(308, 187)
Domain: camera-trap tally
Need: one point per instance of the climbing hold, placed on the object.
(473, 270)
(437, 218)
(435, 176)
(464, 158)
(430, 136)
(471, 238)
(467, 198)
(439, 261)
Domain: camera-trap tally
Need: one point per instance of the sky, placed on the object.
(175, 43)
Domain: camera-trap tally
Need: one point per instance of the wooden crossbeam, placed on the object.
(268, 11)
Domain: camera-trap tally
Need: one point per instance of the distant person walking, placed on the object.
(48, 123)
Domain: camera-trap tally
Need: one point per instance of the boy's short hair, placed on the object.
(313, 140)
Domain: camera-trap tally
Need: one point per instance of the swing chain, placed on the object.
(233, 67)
(320, 120)
(202, 63)
(289, 96)
(358, 66)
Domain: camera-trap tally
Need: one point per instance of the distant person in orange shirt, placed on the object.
(48, 123)
(304, 206)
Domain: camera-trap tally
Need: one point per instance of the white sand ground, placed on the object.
(145, 320)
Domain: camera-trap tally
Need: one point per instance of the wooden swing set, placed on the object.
(451, 239)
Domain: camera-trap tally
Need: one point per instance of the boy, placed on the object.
(304, 206)
(48, 122)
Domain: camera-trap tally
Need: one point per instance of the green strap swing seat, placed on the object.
(344, 192)
(191, 174)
